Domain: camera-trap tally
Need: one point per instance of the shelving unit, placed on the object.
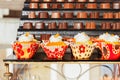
(40, 57)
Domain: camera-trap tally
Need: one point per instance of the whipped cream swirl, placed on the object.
(110, 38)
(81, 37)
(55, 38)
(26, 38)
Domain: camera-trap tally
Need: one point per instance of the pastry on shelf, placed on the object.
(33, 5)
(91, 6)
(25, 47)
(34, 0)
(56, 6)
(56, 15)
(116, 5)
(31, 14)
(27, 25)
(68, 6)
(59, 0)
(82, 46)
(47, 0)
(105, 6)
(55, 47)
(81, 0)
(39, 25)
(44, 6)
(109, 45)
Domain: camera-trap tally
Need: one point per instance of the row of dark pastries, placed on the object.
(84, 14)
(76, 25)
(115, 5)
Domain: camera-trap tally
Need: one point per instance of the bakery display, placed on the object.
(82, 46)
(52, 18)
(25, 47)
(55, 48)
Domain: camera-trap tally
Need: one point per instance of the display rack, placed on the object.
(40, 57)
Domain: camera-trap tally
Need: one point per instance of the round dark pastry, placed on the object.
(94, 15)
(62, 25)
(68, 15)
(39, 25)
(82, 15)
(91, 6)
(68, 5)
(105, 5)
(27, 25)
(56, 15)
(82, 0)
(52, 25)
(59, 0)
(34, 0)
(79, 6)
(44, 5)
(32, 14)
(56, 6)
(43, 15)
(47, 0)
(33, 5)
(78, 25)
(116, 5)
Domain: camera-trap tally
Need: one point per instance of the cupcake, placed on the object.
(25, 47)
(82, 46)
(109, 45)
(55, 47)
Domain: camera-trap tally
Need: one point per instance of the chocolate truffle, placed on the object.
(78, 25)
(39, 25)
(91, 6)
(79, 6)
(82, 0)
(34, 0)
(27, 25)
(47, 0)
(44, 5)
(33, 5)
(116, 5)
(63, 25)
(56, 6)
(68, 15)
(52, 25)
(32, 14)
(94, 15)
(43, 15)
(56, 15)
(105, 5)
(68, 5)
(59, 0)
(82, 15)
